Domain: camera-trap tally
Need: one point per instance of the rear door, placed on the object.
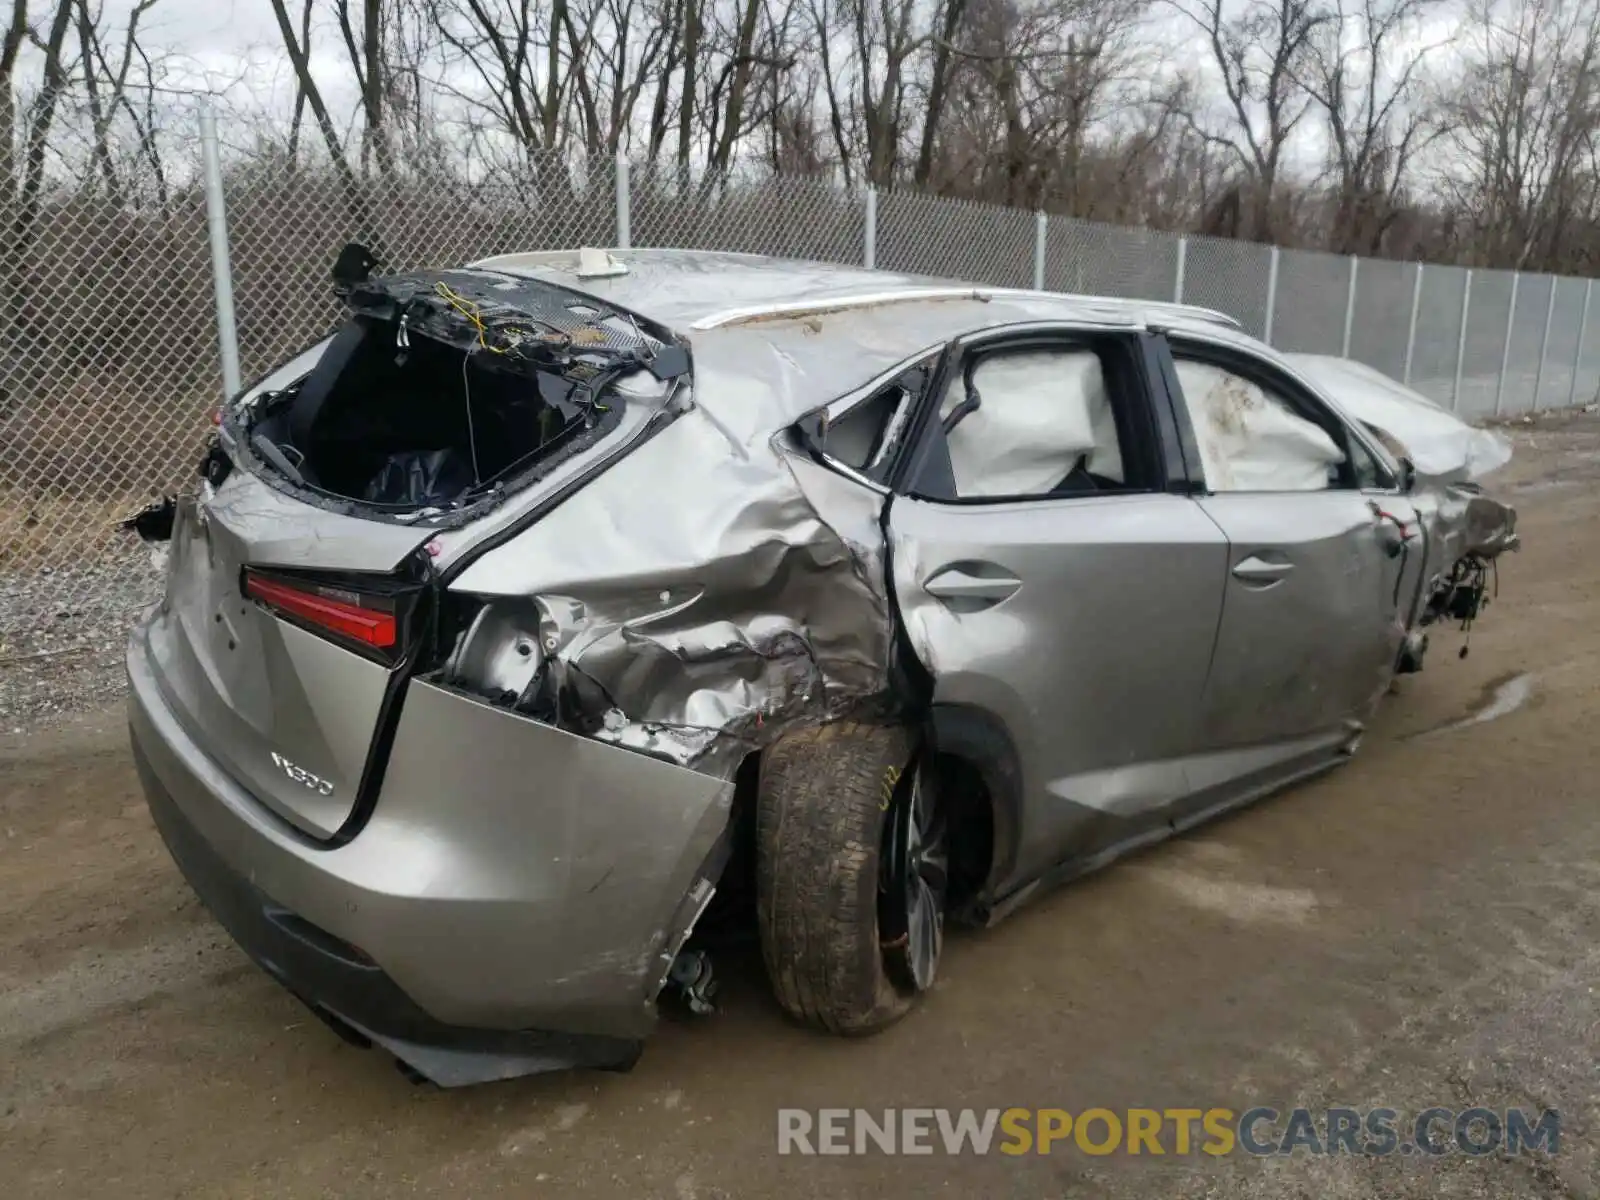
(1051, 584)
(1316, 554)
(288, 705)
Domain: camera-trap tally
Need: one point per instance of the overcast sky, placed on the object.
(234, 46)
(228, 44)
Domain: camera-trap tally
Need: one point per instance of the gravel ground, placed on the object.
(1419, 928)
(61, 638)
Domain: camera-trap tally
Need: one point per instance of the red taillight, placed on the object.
(371, 626)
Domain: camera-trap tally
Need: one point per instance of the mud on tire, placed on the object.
(823, 797)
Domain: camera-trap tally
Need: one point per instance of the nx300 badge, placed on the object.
(302, 776)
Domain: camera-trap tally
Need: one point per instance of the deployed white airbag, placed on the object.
(1251, 441)
(1042, 412)
(1439, 443)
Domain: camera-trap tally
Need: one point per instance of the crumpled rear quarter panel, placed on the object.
(720, 592)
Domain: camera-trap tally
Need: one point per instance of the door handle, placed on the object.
(969, 590)
(1261, 573)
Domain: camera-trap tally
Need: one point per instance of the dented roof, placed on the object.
(774, 338)
(705, 289)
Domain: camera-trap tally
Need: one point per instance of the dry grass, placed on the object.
(63, 534)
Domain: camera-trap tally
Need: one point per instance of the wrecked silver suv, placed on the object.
(550, 595)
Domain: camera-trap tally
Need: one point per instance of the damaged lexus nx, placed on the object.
(511, 621)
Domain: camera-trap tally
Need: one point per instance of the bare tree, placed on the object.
(1362, 73)
(16, 33)
(368, 64)
(106, 82)
(40, 118)
(1523, 121)
(299, 53)
(298, 118)
(300, 59)
(512, 49)
(732, 86)
(1259, 49)
(1032, 84)
(947, 22)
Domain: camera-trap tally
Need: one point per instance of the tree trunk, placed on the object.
(99, 114)
(733, 115)
(300, 61)
(693, 28)
(44, 111)
(938, 86)
(373, 91)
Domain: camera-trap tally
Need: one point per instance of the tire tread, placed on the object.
(819, 822)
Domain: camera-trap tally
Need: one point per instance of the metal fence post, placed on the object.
(1411, 330)
(1183, 266)
(869, 255)
(1577, 356)
(1461, 342)
(1544, 343)
(1272, 297)
(221, 266)
(624, 204)
(1350, 306)
(1505, 350)
(1041, 231)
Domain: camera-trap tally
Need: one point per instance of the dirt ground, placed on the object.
(1418, 928)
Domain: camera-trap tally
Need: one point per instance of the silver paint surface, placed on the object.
(720, 593)
(512, 876)
(1094, 664)
(1147, 654)
(248, 685)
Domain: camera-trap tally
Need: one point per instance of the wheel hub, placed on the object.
(915, 879)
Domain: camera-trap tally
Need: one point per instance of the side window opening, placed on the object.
(1035, 421)
(860, 438)
(1369, 473)
(1253, 439)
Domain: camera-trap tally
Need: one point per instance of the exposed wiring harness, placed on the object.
(1403, 551)
(507, 337)
(1469, 580)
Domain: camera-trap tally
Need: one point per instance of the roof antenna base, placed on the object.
(594, 263)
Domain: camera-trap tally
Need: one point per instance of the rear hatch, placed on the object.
(297, 605)
(268, 646)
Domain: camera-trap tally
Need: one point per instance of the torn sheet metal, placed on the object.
(693, 607)
(1462, 522)
(1440, 444)
(723, 588)
(1449, 456)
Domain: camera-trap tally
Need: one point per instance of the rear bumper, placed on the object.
(511, 906)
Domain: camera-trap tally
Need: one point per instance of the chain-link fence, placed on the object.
(113, 354)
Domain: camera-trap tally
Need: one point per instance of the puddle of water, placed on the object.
(1507, 696)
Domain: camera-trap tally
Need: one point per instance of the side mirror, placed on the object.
(1408, 474)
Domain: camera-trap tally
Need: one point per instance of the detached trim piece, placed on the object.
(1095, 310)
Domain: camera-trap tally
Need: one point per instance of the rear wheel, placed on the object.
(852, 867)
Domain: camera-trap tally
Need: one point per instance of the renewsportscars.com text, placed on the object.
(1376, 1132)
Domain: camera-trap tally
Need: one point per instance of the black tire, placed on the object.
(824, 796)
